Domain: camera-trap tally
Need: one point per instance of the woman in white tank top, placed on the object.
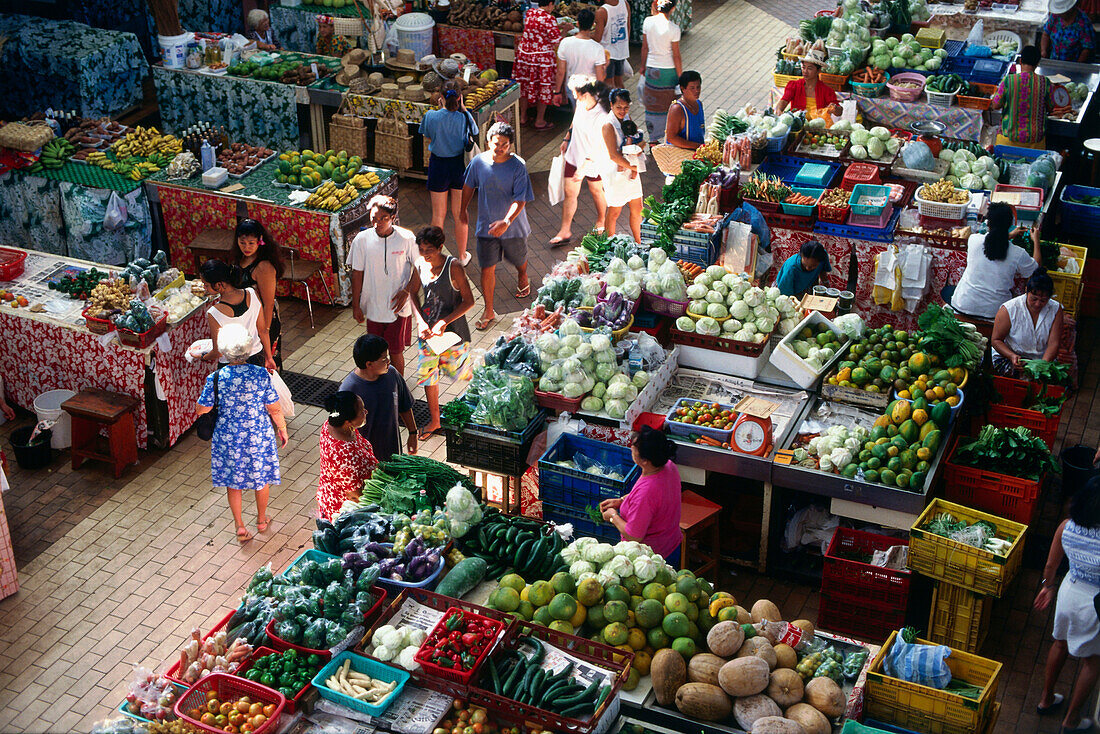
(1027, 326)
(235, 306)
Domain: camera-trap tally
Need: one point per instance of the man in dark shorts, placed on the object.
(504, 188)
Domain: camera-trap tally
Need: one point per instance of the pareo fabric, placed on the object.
(345, 465)
(243, 454)
(535, 64)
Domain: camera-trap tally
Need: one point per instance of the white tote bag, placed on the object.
(555, 185)
(286, 404)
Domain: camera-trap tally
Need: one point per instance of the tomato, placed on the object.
(246, 728)
(269, 709)
(257, 721)
(230, 729)
(221, 720)
(256, 708)
(207, 718)
(479, 716)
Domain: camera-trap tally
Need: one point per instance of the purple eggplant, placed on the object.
(414, 548)
(378, 549)
(398, 572)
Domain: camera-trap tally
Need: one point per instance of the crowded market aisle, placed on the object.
(125, 579)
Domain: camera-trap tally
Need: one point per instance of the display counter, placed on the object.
(1025, 20)
(1088, 74)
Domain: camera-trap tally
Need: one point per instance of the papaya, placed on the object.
(860, 376)
(900, 412)
(910, 431)
(900, 443)
(888, 374)
(849, 471)
(871, 475)
(888, 477)
(880, 452)
(919, 403)
(941, 377)
(932, 441)
(891, 430)
(894, 465)
(917, 480)
(920, 417)
(919, 363)
(941, 414)
(878, 432)
(864, 455)
(923, 466)
(882, 421)
(902, 480)
(908, 459)
(874, 463)
(928, 428)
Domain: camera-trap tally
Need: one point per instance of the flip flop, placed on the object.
(556, 241)
(262, 526)
(425, 435)
(485, 322)
(1083, 726)
(1044, 710)
(524, 291)
(243, 536)
(545, 126)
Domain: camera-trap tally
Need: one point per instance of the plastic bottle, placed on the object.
(208, 158)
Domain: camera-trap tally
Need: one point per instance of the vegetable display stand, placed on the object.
(1009, 412)
(365, 666)
(583, 525)
(292, 704)
(228, 687)
(932, 710)
(788, 168)
(959, 617)
(614, 662)
(174, 671)
(1001, 494)
(145, 339)
(694, 247)
(491, 449)
(574, 487)
(441, 656)
(979, 570)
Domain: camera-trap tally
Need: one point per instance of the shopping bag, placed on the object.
(555, 186)
(286, 404)
(115, 216)
(925, 665)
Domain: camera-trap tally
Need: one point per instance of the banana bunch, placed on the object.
(365, 181)
(146, 142)
(134, 167)
(99, 158)
(54, 155)
(332, 198)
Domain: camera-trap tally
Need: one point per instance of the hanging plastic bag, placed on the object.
(977, 34)
(924, 665)
(115, 216)
(555, 185)
(286, 404)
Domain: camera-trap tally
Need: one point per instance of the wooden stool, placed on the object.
(93, 409)
(697, 516)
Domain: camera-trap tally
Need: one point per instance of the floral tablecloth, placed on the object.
(296, 26)
(478, 44)
(961, 122)
(65, 218)
(67, 65)
(224, 16)
(252, 111)
(639, 11)
(786, 242)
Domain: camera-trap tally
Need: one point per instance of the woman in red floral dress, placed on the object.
(536, 64)
(347, 459)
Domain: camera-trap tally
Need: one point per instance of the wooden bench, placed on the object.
(94, 409)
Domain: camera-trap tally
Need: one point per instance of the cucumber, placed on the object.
(461, 579)
(494, 677)
(513, 679)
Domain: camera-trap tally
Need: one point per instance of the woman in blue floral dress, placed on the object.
(243, 454)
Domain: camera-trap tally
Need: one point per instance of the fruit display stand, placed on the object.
(52, 350)
(188, 208)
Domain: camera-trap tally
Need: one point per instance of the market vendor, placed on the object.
(686, 125)
(1026, 99)
(328, 43)
(802, 270)
(1067, 33)
(1028, 326)
(808, 93)
(259, 30)
(992, 263)
(650, 512)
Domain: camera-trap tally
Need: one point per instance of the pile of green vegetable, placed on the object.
(352, 531)
(396, 483)
(508, 542)
(599, 250)
(517, 356)
(79, 286)
(522, 678)
(678, 202)
(946, 83)
(982, 534)
(502, 401)
(320, 603)
(1016, 452)
(287, 672)
(955, 342)
(1046, 374)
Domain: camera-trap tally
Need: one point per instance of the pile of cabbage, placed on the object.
(575, 364)
(768, 124)
(749, 313)
(918, 10)
(837, 447)
(876, 143)
(968, 171)
(852, 34)
(662, 277)
(815, 356)
(906, 53)
(613, 564)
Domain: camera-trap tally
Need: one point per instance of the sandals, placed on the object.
(524, 291)
(558, 241)
(1044, 710)
(425, 435)
(1085, 725)
(484, 322)
(243, 536)
(544, 126)
(262, 526)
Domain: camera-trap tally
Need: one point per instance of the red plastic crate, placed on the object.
(1009, 413)
(557, 401)
(851, 616)
(860, 173)
(144, 339)
(1000, 494)
(834, 214)
(457, 676)
(97, 325)
(612, 659)
(174, 672)
(262, 652)
(11, 263)
(229, 686)
(873, 584)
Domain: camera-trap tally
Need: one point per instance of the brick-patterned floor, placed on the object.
(116, 572)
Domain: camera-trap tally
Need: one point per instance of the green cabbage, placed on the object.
(858, 152)
(685, 323)
(875, 148)
(717, 311)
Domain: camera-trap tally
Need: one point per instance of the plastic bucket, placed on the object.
(173, 50)
(1077, 467)
(31, 457)
(47, 407)
(414, 31)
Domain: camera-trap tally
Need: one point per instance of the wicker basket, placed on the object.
(352, 27)
(939, 209)
(348, 132)
(670, 158)
(940, 99)
(392, 142)
(26, 138)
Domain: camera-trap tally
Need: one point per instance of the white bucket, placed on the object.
(47, 407)
(173, 52)
(414, 31)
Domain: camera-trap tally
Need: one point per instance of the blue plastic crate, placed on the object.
(1078, 218)
(575, 488)
(787, 168)
(693, 247)
(1010, 151)
(310, 554)
(868, 234)
(961, 65)
(366, 666)
(427, 584)
(802, 210)
(582, 523)
(776, 145)
(953, 48)
(814, 174)
(646, 319)
(885, 728)
(988, 71)
(865, 210)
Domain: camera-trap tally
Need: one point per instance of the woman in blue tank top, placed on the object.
(687, 126)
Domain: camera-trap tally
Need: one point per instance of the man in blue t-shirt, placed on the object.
(504, 188)
(385, 396)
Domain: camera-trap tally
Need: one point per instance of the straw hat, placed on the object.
(347, 74)
(375, 79)
(355, 57)
(815, 57)
(462, 59)
(1056, 7)
(448, 68)
(431, 82)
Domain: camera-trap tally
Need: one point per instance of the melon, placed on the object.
(704, 667)
(744, 676)
(725, 638)
(669, 672)
(785, 687)
(776, 725)
(747, 710)
(764, 609)
(826, 696)
(760, 648)
(703, 701)
(811, 720)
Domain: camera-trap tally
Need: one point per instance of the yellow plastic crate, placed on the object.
(930, 710)
(931, 37)
(1067, 286)
(163, 292)
(959, 617)
(962, 565)
(782, 80)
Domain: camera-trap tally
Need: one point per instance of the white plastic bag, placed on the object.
(286, 404)
(555, 185)
(977, 34)
(115, 216)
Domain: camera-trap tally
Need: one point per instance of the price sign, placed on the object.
(756, 407)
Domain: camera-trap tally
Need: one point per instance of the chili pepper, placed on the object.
(454, 621)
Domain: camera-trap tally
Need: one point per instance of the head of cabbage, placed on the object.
(717, 311)
(708, 326)
(685, 323)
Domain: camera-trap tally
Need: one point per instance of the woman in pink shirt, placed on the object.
(650, 513)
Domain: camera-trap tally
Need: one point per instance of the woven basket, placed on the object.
(353, 27)
(392, 142)
(27, 138)
(670, 158)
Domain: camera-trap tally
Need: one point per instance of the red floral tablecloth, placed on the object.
(786, 242)
(37, 356)
(477, 44)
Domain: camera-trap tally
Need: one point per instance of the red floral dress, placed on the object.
(345, 465)
(535, 64)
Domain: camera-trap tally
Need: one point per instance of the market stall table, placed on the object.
(1025, 20)
(962, 122)
(310, 234)
(1088, 74)
(67, 65)
(53, 350)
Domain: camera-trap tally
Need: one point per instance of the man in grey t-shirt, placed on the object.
(504, 188)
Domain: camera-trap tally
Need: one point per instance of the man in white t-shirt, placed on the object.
(381, 259)
(580, 54)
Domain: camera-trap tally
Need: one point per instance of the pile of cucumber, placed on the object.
(530, 548)
(522, 678)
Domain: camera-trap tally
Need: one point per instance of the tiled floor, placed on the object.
(115, 573)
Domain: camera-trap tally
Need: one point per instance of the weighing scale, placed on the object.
(752, 432)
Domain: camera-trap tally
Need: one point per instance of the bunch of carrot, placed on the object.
(800, 199)
(869, 75)
(690, 270)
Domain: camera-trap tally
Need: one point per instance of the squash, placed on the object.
(704, 667)
(668, 671)
(826, 696)
(760, 648)
(725, 638)
(812, 720)
(747, 710)
(776, 725)
(785, 656)
(466, 574)
(764, 609)
(785, 687)
(703, 701)
(807, 627)
(744, 676)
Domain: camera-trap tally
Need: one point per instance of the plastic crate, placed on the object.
(779, 220)
(1067, 286)
(1024, 212)
(869, 210)
(787, 168)
(491, 450)
(836, 81)
(309, 554)
(174, 671)
(694, 247)
(229, 686)
(261, 652)
(777, 144)
(940, 209)
(366, 666)
(718, 343)
(833, 214)
(870, 234)
(567, 486)
(929, 709)
(12, 263)
(677, 428)
(939, 170)
(97, 325)
(557, 401)
(953, 48)
(583, 525)
(1077, 218)
(962, 565)
(873, 584)
(862, 220)
(663, 306)
(814, 174)
(1009, 411)
(802, 210)
(428, 583)
(988, 71)
(851, 616)
(462, 677)
(982, 102)
(615, 661)
(145, 339)
(959, 617)
(1001, 494)
(860, 173)
(958, 64)
(939, 99)
(829, 153)
(782, 80)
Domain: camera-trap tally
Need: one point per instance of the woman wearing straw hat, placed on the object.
(1067, 33)
(328, 43)
(808, 93)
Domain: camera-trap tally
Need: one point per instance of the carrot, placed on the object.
(708, 441)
